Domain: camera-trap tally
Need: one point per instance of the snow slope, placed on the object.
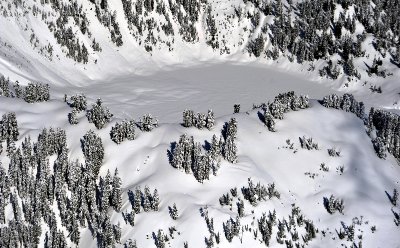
(262, 156)
(132, 82)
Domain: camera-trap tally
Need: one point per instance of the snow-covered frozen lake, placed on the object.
(167, 93)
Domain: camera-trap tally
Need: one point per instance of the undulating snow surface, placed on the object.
(132, 83)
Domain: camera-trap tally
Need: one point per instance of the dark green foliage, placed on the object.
(200, 120)
(9, 128)
(36, 92)
(78, 102)
(173, 212)
(93, 150)
(332, 205)
(99, 115)
(346, 102)
(148, 123)
(122, 131)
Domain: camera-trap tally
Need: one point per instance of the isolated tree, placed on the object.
(236, 108)
(173, 212)
(395, 197)
(210, 120)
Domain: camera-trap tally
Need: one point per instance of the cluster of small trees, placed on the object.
(200, 120)
(347, 102)
(99, 115)
(8, 128)
(292, 226)
(256, 193)
(374, 69)
(308, 143)
(36, 92)
(188, 156)
(333, 152)
(231, 228)
(122, 131)
(33, 92)
(144, 200)
(78, 103)
(385, 126)
(283, 103)
(148, 123)
(109, 20)
(63, 32)
(330, 70)
(332, 205)
(93, 150)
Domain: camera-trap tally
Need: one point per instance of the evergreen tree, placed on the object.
(236, 108)
(395, 197)
(99, 115)
(122, 131)
(93, 150)
(9, 128)
(116, 199)
(78, 102)
(137, 200)
(210, 120)
(155, 201)
(188, 117)
(148, 123)
(173, 212)
(147, 199)
(72, 118)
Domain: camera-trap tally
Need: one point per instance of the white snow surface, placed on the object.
(132, 83)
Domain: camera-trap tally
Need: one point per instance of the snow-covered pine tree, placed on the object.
(93, 150)
(394, 197)
(116, 197)
(210, 120)
(236, 108)
(173, 212)
(188, 118)
(137, 200)
(72, 118)
(9, 127)
(99, 115)
(230, 149)
(122, 131)
(201, 121)
(148, 123)
(269, 120)
(78, 102)
(147, 199)
(155, 202)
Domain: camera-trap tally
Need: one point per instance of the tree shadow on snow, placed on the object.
(170, 152)
(261, 117)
